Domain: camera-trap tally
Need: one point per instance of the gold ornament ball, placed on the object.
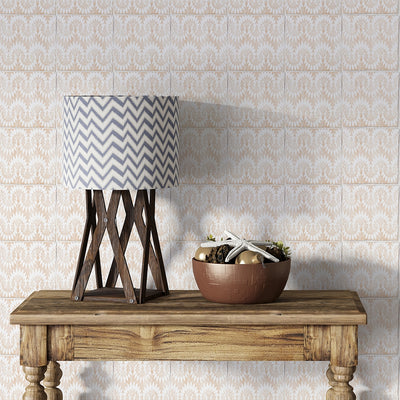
(202, 252)
(249, 257)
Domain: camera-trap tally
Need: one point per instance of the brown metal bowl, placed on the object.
(241, 283)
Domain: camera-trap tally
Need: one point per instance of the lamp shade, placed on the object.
(120, 142)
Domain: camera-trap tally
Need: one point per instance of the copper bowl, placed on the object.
(241, 283)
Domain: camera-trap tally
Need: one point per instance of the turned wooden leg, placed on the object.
(52, 379)
(329, 375)
(34, 391)
(339, 378)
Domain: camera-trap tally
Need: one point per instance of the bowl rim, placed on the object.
(243, 265)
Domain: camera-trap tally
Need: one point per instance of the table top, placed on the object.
(188, 307)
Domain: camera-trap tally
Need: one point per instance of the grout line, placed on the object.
(56, 133)
(221, 184)
(216, 71)
(341, 220)
(227, 123)
(210, 14)
(113, 48)
(170, 48)
(285, 130)
(324, 127)
(398, 200)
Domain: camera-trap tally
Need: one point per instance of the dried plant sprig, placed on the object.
(286, 251)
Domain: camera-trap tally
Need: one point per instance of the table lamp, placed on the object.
(120, 143)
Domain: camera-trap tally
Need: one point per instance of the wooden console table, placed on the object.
(301, 325)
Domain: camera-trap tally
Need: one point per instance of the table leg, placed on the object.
(343, 361)
(34, 391)
(339, 378)
(52, 379)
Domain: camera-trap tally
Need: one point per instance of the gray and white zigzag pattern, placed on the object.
(120, 142)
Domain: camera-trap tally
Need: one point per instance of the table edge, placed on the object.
(250, 319)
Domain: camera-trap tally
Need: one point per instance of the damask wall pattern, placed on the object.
(289, 130)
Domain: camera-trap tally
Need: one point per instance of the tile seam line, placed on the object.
(216, 71)
(357, 184)
(56, 140)
(222, 14)
(398, 199)
(370, 241)
(285, 134)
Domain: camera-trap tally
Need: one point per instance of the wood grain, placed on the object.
(33, 345)
(60, 343)
(190, 308)
(301, 325)
(90, 225)
(51, 380)
(157, 247)
(124, 236)
(119, 256)
(34, 390)
(317, 342)
(344, 346)
(339, 378)
(155, 260)
(188, 343)
(83, 271)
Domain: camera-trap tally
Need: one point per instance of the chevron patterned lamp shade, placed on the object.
(121, 143)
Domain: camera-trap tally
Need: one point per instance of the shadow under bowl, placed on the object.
(241, 283)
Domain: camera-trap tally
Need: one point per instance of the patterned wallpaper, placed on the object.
(290, 130)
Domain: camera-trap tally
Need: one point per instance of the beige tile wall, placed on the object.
(290, 130)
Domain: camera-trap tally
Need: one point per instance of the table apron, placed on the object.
(163, 342)
(176, 342)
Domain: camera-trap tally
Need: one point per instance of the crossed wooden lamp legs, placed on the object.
(98, 220)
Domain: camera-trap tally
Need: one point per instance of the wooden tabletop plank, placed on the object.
(188, 307)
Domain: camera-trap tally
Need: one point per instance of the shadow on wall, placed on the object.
(366, 396)
(223, 146)
(96, 380)
(231, 163)
(379, 336)
(224, 150)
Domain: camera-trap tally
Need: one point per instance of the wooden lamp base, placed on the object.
(98, 220)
